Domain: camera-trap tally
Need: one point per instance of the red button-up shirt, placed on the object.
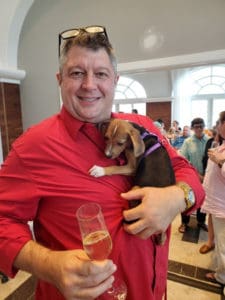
(45, 179)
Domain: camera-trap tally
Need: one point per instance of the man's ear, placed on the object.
(59, 78)
(116, 79)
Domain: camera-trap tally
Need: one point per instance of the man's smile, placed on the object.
(88, 99)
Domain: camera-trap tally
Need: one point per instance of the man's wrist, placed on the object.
(189, 197)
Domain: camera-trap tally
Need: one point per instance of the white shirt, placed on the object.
(214, 185)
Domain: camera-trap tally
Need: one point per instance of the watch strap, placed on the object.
(189, 197)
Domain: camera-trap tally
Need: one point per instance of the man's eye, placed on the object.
(102, 75)
(77, 74)
(120, 144)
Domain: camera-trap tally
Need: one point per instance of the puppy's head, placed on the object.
(121, 135)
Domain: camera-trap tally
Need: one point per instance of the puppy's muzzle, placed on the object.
(109, 155)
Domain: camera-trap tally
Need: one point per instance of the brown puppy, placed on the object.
(147, 159)
(120, 136)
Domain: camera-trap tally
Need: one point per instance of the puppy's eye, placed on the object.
(106, 138)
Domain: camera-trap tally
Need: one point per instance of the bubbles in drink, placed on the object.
(98, 244)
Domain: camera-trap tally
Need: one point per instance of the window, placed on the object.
(130, 94)
(199, 108)
(208, 93)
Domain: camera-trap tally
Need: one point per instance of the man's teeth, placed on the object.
(88, 99)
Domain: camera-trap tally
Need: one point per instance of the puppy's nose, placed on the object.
(109, 155)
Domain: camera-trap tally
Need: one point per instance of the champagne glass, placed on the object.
(97, 243)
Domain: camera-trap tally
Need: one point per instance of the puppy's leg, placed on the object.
(98, 171)
(128, 169)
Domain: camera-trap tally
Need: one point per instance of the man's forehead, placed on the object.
(80, 54)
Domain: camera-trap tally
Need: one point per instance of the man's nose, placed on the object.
(89, 82)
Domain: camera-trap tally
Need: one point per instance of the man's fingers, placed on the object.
(93, 291)
(93, 267)
(133, 194)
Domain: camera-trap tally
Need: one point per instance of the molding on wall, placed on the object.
(143, 100)
(15, 28)
(181, 61)
(12, 75)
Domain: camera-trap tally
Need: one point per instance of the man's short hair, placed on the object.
(197, 121)
(93, 41)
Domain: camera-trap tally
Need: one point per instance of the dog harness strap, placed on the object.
(151, 149)
(144, 134)
(154, 147)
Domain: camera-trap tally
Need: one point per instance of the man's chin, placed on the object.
(94, 117)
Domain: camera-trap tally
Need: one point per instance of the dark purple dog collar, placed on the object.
(154, 147)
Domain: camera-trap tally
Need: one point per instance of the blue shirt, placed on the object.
(193, 149)
(178, 142)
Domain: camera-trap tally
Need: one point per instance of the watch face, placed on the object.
(191, 197)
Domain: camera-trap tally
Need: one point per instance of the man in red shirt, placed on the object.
(45, 179)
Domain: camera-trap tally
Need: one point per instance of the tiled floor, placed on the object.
(19, 288)
(187, 267)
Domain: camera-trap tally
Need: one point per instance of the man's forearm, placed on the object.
(34, 259)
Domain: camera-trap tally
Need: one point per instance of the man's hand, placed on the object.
(157, 210)
(77, 277)
(72, 272)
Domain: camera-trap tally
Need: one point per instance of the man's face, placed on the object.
(87, 84)
(198, 130)
(186, 131)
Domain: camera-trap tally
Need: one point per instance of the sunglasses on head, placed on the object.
(72, 33)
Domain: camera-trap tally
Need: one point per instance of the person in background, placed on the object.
(158, 125)
(213, 142)
(134, 111)
(45, 179)
(177, 128)
(161, 125)
(193, 150)
(173, 132)
(171, 135)
(161, 122)
(178, 142)
(214, 203)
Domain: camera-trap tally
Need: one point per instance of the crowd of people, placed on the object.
(205, 150)
(45, 179)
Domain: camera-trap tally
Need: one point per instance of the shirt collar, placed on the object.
(203, 137)
(72, 124)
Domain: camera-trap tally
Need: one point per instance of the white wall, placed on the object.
(186, 32)
(147, 35)
(13, 13)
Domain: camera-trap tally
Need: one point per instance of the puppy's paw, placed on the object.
(97, 171)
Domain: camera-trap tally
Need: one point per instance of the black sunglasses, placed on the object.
(72, 33)
(198, 126)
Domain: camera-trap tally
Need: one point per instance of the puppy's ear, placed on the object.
(138, 144)
(102, 127)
